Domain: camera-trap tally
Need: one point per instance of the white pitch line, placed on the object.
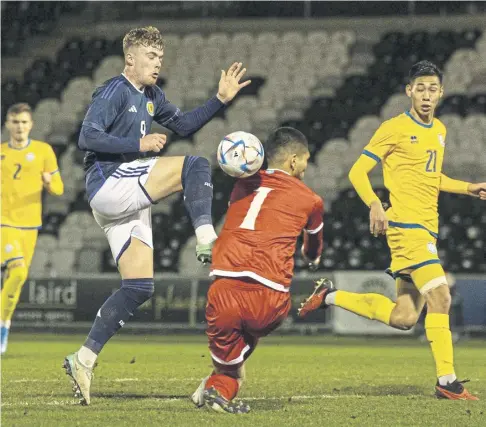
(117, 380)
(175, 399)
(317, 396)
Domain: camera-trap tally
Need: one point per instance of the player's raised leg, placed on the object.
(401, 314)
(372, 306)
(192, 174)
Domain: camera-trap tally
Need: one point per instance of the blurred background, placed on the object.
(334, 70)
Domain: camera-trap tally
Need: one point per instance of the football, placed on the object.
(240, 154)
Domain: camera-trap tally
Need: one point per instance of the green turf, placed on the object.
(291, 381)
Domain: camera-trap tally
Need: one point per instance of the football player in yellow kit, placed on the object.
(28, 166)
(411, 148)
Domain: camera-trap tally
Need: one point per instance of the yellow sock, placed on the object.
(440, 339)
(12, 286)
(372, 306)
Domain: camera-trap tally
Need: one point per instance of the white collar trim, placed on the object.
(136, 88)
(279, 170)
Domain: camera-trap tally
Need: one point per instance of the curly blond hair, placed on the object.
(145, 36)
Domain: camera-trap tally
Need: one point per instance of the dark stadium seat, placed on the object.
(10, 89)
(468, 38)
(80, 203)
(108, 264)
(22, 20)
(38, 71)
(59, 149)
(166, 260)
(455, 104)
(252, 90)
(477, 104)
(51, 223)
(95, 49)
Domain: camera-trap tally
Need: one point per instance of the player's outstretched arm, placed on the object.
(358, 175)
(186, 123)
(450, 185)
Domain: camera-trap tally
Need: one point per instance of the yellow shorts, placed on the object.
(414, 257)
(18, 244)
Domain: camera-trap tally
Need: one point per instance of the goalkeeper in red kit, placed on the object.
(253, 263)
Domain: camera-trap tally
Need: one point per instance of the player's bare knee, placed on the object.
(438, 299)
(404, 320)
(409, 321)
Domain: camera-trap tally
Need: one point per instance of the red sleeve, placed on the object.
(313, 240)
(315, 223)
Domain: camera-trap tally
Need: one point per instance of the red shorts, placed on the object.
(238, 312)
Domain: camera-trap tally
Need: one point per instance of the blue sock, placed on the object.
(198, 190)
(116, 311)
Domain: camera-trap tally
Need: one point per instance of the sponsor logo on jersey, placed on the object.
(150, 108)
(413, 139)
(132, 109)
(30, 156)
(8, 248)
(441, 140)
(432, 248)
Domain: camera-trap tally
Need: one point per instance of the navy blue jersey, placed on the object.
(119, 115)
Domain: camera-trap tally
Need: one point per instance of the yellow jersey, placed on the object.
(22, 182)
(411, 154)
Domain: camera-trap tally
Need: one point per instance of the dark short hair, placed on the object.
(21, 107)
(283, 142)
(425, 68)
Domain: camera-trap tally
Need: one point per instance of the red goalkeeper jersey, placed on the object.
(267, 213)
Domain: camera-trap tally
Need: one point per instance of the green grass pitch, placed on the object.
(291, 381)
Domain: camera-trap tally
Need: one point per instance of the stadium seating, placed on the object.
(335, 90)
(22, 20)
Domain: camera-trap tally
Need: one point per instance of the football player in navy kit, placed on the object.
(123, 180)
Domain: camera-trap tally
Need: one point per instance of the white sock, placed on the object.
(330, 298)
(205, 234)
(447, 379)
(5, 323)
(87, 357)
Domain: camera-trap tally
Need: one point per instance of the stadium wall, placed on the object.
(70, 304)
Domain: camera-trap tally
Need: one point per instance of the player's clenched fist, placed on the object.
(478, 190)
(153, 142)
(46, 178)
(378, 220)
